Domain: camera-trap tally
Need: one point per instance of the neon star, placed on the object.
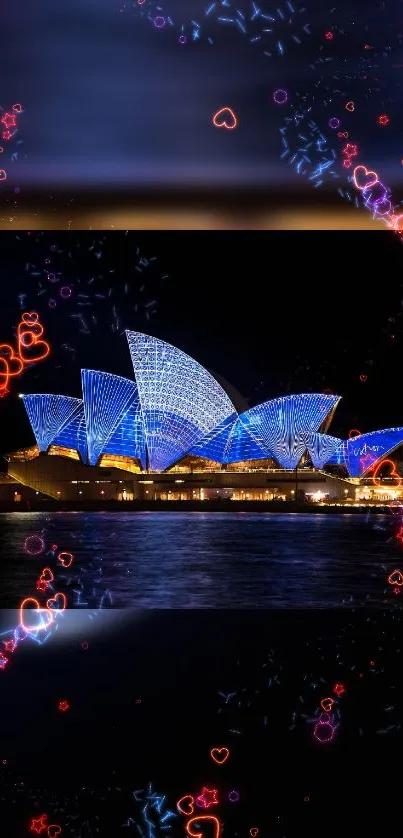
(9, 120)
(207, 798)
(38, 824)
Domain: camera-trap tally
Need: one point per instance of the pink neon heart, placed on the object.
(363, 178)
(44, 617)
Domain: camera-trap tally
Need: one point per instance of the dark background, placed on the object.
(176, 663)
(112, 104)
(273, 313)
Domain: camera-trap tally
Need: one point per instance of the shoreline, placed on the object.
(192, 506)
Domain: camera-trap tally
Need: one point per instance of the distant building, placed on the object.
(173, 432)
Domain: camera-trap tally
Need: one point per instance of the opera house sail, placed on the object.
(173, 411)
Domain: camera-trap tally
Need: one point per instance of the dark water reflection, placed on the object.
(207, 560)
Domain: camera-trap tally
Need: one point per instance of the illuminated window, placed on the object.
(118, 461)
(59, 451)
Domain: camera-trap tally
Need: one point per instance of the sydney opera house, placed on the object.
(174, 432)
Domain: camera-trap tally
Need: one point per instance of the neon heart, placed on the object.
(363, 178)
(396, 578)
(30, 317)
(44, 617)
(392, 473)
(46, 575)
(58, 602)
(219, 755)
(30, 348)
(327, 704)
(220, 119)
(54, 830)
(36, 329)
(15, 365)
(4, 377)
(186, 805)
(38, 349)
(253, 831)
(201, 820)
(65, 562)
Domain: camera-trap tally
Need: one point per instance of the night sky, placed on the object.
(112, 102)
(272, 313)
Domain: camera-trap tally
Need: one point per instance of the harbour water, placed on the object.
(163, 560)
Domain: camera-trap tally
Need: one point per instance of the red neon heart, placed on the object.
(46, 575)
(15, 365)
(203, 820)
(396, 578)
(220, 119)
(392, 473)
(57, 603)
(30, 318)
(327, 704)
(4, 377)
(186, 808)
(65, 562)
(54, 830)
(254, 831)
(219, 755)
(43, 615)
(30, 348)
(364, 178)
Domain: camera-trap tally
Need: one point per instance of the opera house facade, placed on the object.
(173, 432)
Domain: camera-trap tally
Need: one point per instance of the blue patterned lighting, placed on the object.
(49, 415)
(112, 414)
(339, 458)
(362, 452)
(231, 442)
(321, 448)
(279, 426)
(74, 433)
(181, 402)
